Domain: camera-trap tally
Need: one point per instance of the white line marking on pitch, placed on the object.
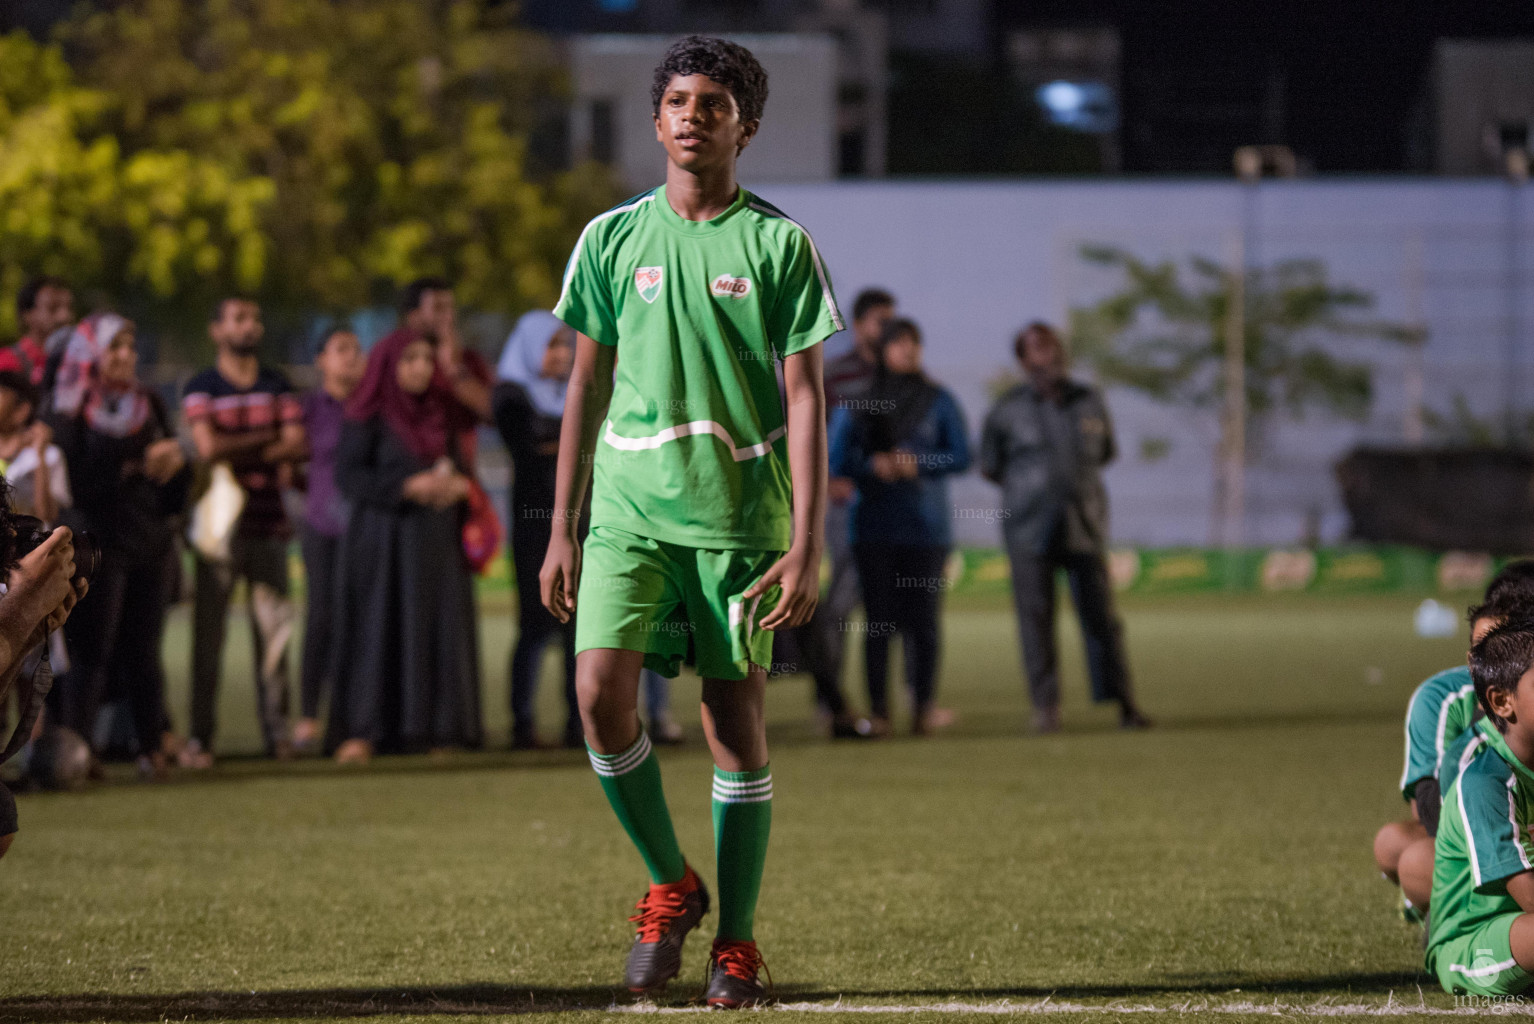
(1390, 1008)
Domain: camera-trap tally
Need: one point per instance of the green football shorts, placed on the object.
(1481, 963)
(638, 594)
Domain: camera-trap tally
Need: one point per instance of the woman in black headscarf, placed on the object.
(406, 667)
(900, 444)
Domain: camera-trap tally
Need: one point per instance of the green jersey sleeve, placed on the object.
(1496, 846)
(1439, 711)
(804, 311)
(586, 302)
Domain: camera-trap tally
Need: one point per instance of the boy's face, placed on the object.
(699, 124)
(1516, 708)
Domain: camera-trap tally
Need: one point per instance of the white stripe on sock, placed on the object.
(622, 764)
(749, 791)
(724, 783)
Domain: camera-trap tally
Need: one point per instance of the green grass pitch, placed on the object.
(1217, 865)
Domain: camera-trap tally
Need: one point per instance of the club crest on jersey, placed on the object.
(647, 281)
(727, 287)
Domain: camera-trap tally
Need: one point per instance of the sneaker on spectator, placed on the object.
(354, 752)
(306, 735)
(194, 757)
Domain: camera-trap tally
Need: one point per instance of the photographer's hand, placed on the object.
(39, 596)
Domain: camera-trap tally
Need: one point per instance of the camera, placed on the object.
(30, 532)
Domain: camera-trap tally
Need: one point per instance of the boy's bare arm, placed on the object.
(586, 400)
(1521, 888)
(798, 571)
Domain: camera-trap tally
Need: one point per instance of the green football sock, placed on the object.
(742, 822)
(631, 781)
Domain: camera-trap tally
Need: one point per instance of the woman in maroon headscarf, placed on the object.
(406, 664)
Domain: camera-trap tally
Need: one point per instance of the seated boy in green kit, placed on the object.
(1482, 929)
(1438, 731)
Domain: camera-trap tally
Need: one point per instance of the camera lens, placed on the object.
(87, 555)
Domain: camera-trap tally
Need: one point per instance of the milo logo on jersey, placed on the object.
(647, 281)
(727, 287)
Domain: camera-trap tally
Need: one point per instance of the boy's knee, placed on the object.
(1414, 868)
(609, 715)
(1390, 842)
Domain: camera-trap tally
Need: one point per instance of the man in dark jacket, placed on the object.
(1045, 443)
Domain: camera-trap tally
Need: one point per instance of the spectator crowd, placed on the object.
(394, 525)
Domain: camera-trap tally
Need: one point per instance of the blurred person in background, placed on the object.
(900, 448)
(1045, 443)
(427, 307)
(340, 363)
(848, 378)
(39, 486)
(130, 479)
(44, 307)
(406, 669)
(36, 467)
(41, 590)
(529, 403)
(244, 414)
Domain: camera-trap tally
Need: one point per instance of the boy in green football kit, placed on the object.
(707, 493)
(1481, 941)
(1438, 731)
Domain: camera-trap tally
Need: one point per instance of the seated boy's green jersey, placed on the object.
(1456, 755)
(693, 450)
(1483, 840)
(1439, 712)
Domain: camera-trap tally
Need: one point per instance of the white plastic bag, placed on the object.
(216, 513)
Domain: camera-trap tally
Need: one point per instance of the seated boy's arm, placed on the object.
(1521, 888)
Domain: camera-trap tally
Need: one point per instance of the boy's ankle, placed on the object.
(686, 884)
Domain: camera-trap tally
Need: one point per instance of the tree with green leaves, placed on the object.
(74, 203)
(1167, 331)
(314, 153)
(395, 133)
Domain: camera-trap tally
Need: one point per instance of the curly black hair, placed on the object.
(1499, 661)
(730, 64)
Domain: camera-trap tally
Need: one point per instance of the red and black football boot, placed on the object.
(733, 976)
(665, 915)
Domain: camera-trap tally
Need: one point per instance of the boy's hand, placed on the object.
(561, 574)
(798, 573)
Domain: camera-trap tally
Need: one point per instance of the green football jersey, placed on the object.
(1440, 710)
(693, 451)
(1483, 839)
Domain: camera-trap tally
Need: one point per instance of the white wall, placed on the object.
(973, 261)
(797, 139)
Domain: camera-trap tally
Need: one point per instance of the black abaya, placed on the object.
(406, 652)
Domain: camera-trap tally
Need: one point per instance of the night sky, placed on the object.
(1343, 82)
(1351, 75)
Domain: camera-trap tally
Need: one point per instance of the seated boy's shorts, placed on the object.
(639, 594)
(1481, 963)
